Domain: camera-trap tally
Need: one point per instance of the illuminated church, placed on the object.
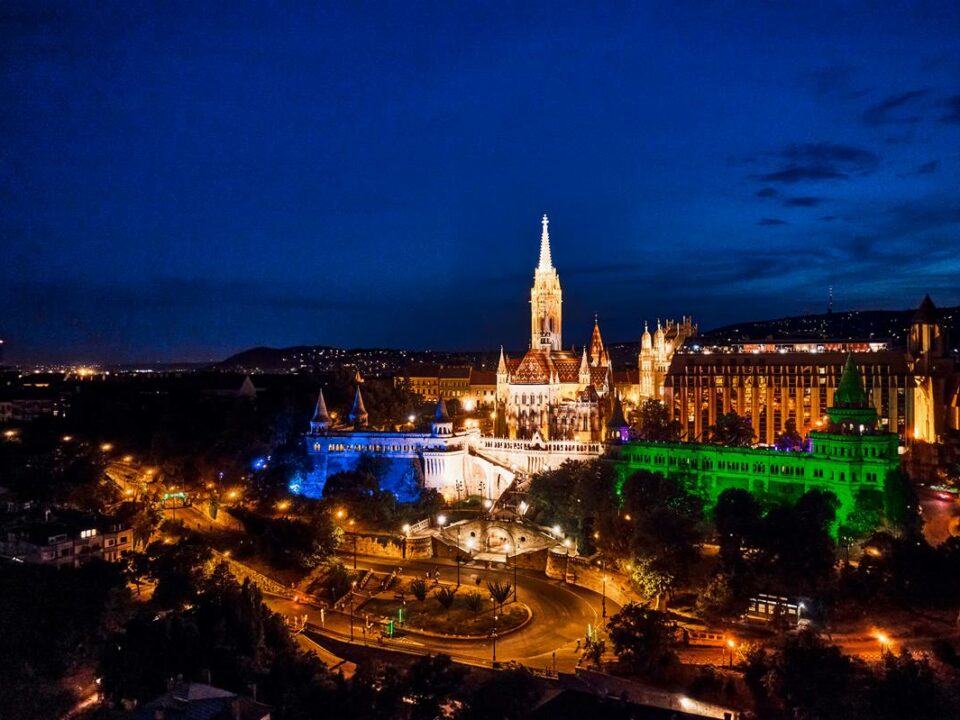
(551, 393)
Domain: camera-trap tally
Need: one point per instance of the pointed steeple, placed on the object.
(358, 413)
(617, 419)
(321, 418)
(927, 312)
(502, 364)
(850, 392)
(597, 353)
(546, 262)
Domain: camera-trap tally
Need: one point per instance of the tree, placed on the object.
(641, 638)
(737, 519)
(593, 651)
(508, 695)
(652, 580)
(790, 440)
(500, 592)
(722, 599)
(178, 570)
(144, 523)
(445, 596)
(655, 422)
(732, 430)
(429, 684)
(666, 525)
(419, 589)
(905, 686)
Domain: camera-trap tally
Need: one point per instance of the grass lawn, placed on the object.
(459, 620)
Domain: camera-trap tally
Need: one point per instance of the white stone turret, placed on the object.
(358, 413)
(321, 418)
(442, 424)
(546, 299)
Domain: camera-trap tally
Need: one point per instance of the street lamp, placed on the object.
(494, 601)
(731, 646)
(507, 547)
(441, 520)
(800, 608)
(352, 586)
(884, 641)
(566, 564)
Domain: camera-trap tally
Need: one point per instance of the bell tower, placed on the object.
(545, 299)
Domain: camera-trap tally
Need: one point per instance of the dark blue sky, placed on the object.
(181, 180)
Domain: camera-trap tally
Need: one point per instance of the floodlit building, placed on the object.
(851, 455)
(66, 538)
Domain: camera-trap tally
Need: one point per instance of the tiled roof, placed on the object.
(483, 377)
(598, 375)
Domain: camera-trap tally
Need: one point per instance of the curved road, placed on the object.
(561, 614)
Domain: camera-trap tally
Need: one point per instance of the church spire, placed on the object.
(546, 262)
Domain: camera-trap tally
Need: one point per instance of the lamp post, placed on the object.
(800, 608)
(494, 601)
(352, 586)
(566, 564)
(603, 588)
(458, 556)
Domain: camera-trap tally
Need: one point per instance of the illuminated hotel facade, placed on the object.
(916, 392)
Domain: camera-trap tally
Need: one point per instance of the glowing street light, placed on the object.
(106, 447)
(67, 438)
(441, 520)
(556, 530)
(411, 419)
(406, 528)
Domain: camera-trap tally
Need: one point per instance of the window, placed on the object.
(87, 533)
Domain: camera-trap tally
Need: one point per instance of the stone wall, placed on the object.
(372, 544)
(586, 573)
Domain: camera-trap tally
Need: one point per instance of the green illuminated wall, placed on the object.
(853, 459)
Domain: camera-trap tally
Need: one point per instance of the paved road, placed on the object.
(561, 614)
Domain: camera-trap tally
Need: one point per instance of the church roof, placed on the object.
(598, 375)
(927, 312)
(850, 392)
(537, 367)
(596, 344)
(534, 369)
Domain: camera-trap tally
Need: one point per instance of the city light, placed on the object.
(106, 447)
(67, 438)
(441, 520)
(406, 528)
(9, 434)
(411, 418)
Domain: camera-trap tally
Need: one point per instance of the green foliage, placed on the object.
(655, 423)
(731, 430)
(419, 589)
(641, 638)
(593, 651)
(577, 496)
(430, 683)
(666, 525)
(287, 542)
(338, 581)
(178, 571)
(445, 596)
(722, 599)
(507, 695)
(499, 591)
(474, 601)
(737, 517)
(790, 440)
(650, 579)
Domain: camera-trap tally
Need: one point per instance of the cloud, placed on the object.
(767, 192)
(820, 161)
(832, 83)
(953, 110)
(887, 111)
(766, 222)
(926, 169)
(803, 201)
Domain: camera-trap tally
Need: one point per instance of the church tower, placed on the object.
(545, 299)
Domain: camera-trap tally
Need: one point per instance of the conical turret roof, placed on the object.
(441, 414)
(358, 413)
(850, 392)
(320, 414)
(617, 419)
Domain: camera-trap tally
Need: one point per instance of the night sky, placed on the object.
(182, 181)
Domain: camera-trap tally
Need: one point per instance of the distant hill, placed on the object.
(370, 361)
(889, 325)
